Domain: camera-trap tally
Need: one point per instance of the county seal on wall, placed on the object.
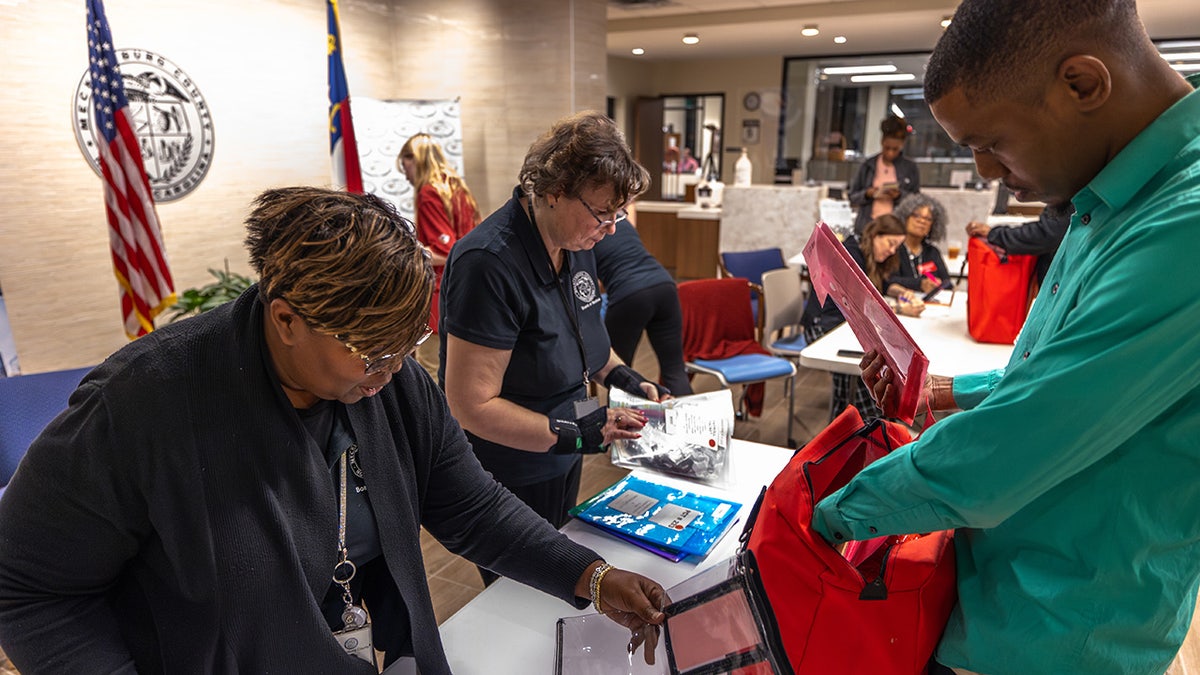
(169, 116)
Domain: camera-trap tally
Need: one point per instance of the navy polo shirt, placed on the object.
(500, 291)
(625, 266)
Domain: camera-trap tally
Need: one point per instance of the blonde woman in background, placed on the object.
(444, 211)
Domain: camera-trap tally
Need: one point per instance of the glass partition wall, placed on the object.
(833, 107)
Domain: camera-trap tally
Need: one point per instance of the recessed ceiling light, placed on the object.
(946, 21)
(894, 77)
(859, 70)
(690, 38)
(841, 39)
(638, 51)
(810, 30)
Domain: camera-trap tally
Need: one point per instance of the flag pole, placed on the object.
(343, 148)
(135, 238)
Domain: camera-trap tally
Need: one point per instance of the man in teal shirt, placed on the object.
(1073, 476)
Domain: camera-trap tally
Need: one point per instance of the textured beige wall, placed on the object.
(518, 65)
(261, 67)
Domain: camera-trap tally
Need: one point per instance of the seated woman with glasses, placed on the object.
(522, 337)
(244, 491)
(921, 265)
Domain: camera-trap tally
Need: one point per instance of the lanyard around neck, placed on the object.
(568, 306)
(915, 260)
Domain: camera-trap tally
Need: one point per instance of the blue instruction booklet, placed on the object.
(663, 516)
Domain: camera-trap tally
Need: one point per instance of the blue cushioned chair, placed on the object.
(27, 404)
(750, 265)
(717, 321)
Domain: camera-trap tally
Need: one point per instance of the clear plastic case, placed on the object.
(686, 436)
(714, 627)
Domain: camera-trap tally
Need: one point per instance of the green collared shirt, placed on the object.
(1074, 477)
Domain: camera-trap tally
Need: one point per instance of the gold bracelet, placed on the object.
(943, 394)
(594, 587)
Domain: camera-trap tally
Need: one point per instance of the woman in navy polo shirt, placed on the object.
(522, 337)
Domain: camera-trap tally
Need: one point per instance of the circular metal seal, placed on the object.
(169, 116)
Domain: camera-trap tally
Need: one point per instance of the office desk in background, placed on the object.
(509, 628)
(940, 332)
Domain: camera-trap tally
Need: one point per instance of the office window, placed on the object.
(833, 107)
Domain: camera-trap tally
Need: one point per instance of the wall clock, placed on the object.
(751, 101)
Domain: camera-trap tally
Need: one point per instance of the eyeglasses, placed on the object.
(621, 214)
(379, 363)
(923, 219)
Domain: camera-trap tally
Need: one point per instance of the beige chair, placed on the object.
(783, 299)
(783, 304)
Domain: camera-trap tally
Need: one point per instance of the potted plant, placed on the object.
(228, 286)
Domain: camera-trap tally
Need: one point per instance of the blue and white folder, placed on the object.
(659, 515)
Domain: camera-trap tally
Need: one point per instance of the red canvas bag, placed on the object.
(882, 611)
(999, 292)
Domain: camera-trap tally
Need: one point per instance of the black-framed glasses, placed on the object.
(379, 363)
(621, 214)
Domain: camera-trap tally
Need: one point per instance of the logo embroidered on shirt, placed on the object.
(585, 287)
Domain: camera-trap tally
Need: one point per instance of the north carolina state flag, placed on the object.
(342, 147)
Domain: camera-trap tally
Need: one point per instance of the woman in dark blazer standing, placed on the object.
(883, 179)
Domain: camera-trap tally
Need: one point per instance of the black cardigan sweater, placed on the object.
(178, 518)
(908, 176)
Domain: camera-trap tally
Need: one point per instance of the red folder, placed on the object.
(834, 274)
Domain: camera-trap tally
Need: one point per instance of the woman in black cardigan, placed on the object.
(885, 178)
(244, 491)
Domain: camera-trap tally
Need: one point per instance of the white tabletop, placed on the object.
(940, 332)
(509, 628)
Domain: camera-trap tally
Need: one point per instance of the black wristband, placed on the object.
(629, 381)
(584, 435)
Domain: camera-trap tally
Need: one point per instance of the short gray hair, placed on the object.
(917, 200)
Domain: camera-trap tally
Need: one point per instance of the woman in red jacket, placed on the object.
(445, 211)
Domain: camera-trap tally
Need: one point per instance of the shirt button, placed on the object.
(1085, 218)
(873, 530)
(838, 536)
(1025, 355)
(1053, 289)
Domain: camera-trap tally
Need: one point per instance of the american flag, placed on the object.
(139, 260)
(342, 147)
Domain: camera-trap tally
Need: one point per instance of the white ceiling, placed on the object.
(742, 28)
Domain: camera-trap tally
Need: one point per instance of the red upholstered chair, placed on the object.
(751, 265)
(719, 340)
